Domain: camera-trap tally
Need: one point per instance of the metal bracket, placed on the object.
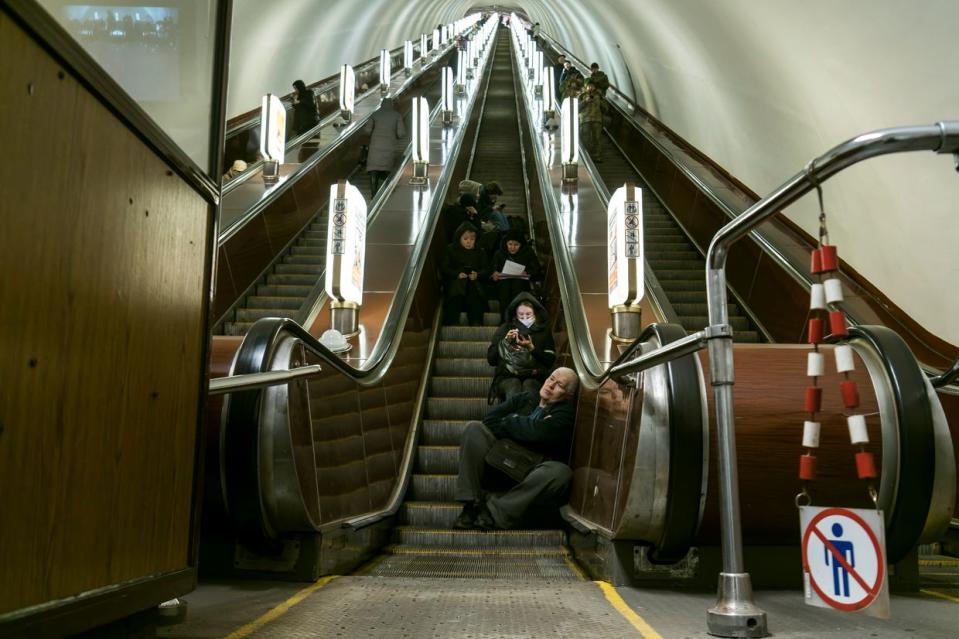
(719, 331)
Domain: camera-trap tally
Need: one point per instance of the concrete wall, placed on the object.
(761, 87)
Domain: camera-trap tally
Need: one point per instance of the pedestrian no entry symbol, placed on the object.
(844, 560)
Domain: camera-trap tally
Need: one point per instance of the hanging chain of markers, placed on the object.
(825, 299)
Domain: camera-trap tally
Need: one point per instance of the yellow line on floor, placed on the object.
(622, 608)
(941, 595)
(279, 610)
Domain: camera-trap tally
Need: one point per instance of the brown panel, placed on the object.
(770, 381)
(284, 220)
(248, 252)
(225, 290)
(102, 306)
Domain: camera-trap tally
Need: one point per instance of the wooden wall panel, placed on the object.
(102, 331)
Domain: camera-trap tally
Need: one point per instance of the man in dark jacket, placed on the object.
(305, 114)
(545, 427)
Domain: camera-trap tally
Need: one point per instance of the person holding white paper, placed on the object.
(514, 267)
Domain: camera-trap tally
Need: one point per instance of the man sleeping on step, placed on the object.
(527, 438)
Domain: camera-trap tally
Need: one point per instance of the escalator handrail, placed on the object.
(280, 189)
(320, 86)
(947, 377)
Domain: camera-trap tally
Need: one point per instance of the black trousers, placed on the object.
(377, 178)
(473, 302)
(545, 486)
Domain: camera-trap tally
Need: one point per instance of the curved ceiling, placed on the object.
(761, 87)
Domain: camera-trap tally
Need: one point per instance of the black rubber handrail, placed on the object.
(946, 377)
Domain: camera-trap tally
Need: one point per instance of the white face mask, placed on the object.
(528, 322)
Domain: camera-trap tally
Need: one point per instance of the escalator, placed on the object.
(676, 262)
(424, 543)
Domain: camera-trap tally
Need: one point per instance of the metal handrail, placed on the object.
(310, 163)
(249, 381)
(947, 377)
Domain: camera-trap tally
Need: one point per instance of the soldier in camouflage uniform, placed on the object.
(572, 85)
(591, 119)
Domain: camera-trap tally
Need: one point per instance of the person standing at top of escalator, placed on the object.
(305, 114)
(385, 129)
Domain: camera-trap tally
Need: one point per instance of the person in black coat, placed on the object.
(464, 269)
(541, 422)
(522, 349)
(305, 114)
(462, 211)
(514, 249)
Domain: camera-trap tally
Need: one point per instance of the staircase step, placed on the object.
(457, 407)
(442, 432)
(461, 386)
(437, 460)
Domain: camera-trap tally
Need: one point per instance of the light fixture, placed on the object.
(460, 72)
(424, 48)
(570, 140)
(537, 72)
(436, 41)
(345, 256)
(272, 136)
(447, 95)
(386, 74)
(469, 59)
(347, 92)
(624, 217)
(421, 141)
(408, 57)
(549, 93)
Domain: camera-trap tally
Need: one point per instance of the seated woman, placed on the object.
(464, 269)
(507, 287)
(522, 349)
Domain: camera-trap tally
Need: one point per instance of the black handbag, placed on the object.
(513, 460)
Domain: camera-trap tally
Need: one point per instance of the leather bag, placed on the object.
(513, 460)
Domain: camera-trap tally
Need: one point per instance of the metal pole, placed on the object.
(735, 614)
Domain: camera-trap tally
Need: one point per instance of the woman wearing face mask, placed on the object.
(522, 349)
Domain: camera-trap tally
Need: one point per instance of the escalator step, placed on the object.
(462, 349)
(429, 514)
(304, 258)
(253, 314)
(697, 322)
(456, 407)
(260, 301)
(446, 538)
(467, 333)
(437, 460)
(431, 487)
(464, 366)
(461, 386)
(283, 290)
(302, 279)
(427, 565)
(307, 249)
(441, 432)
(284, 268)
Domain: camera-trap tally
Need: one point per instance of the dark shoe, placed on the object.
(484, 519)
(466, 520)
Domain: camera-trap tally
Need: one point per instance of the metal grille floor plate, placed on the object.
(463, 608)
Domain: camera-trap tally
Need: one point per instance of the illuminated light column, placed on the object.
(386, 74)
(469, 59)
(570, 140)
(421, 141)
(347, 92)
(549, 94)
(460, 72)
(345, 256)
(408, 57)
(624, 223)
(424, 48)
(537, 71)
(436, 41)
(447, 95)
(272, 136)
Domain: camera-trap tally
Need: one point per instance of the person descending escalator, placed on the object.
(522, 349)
